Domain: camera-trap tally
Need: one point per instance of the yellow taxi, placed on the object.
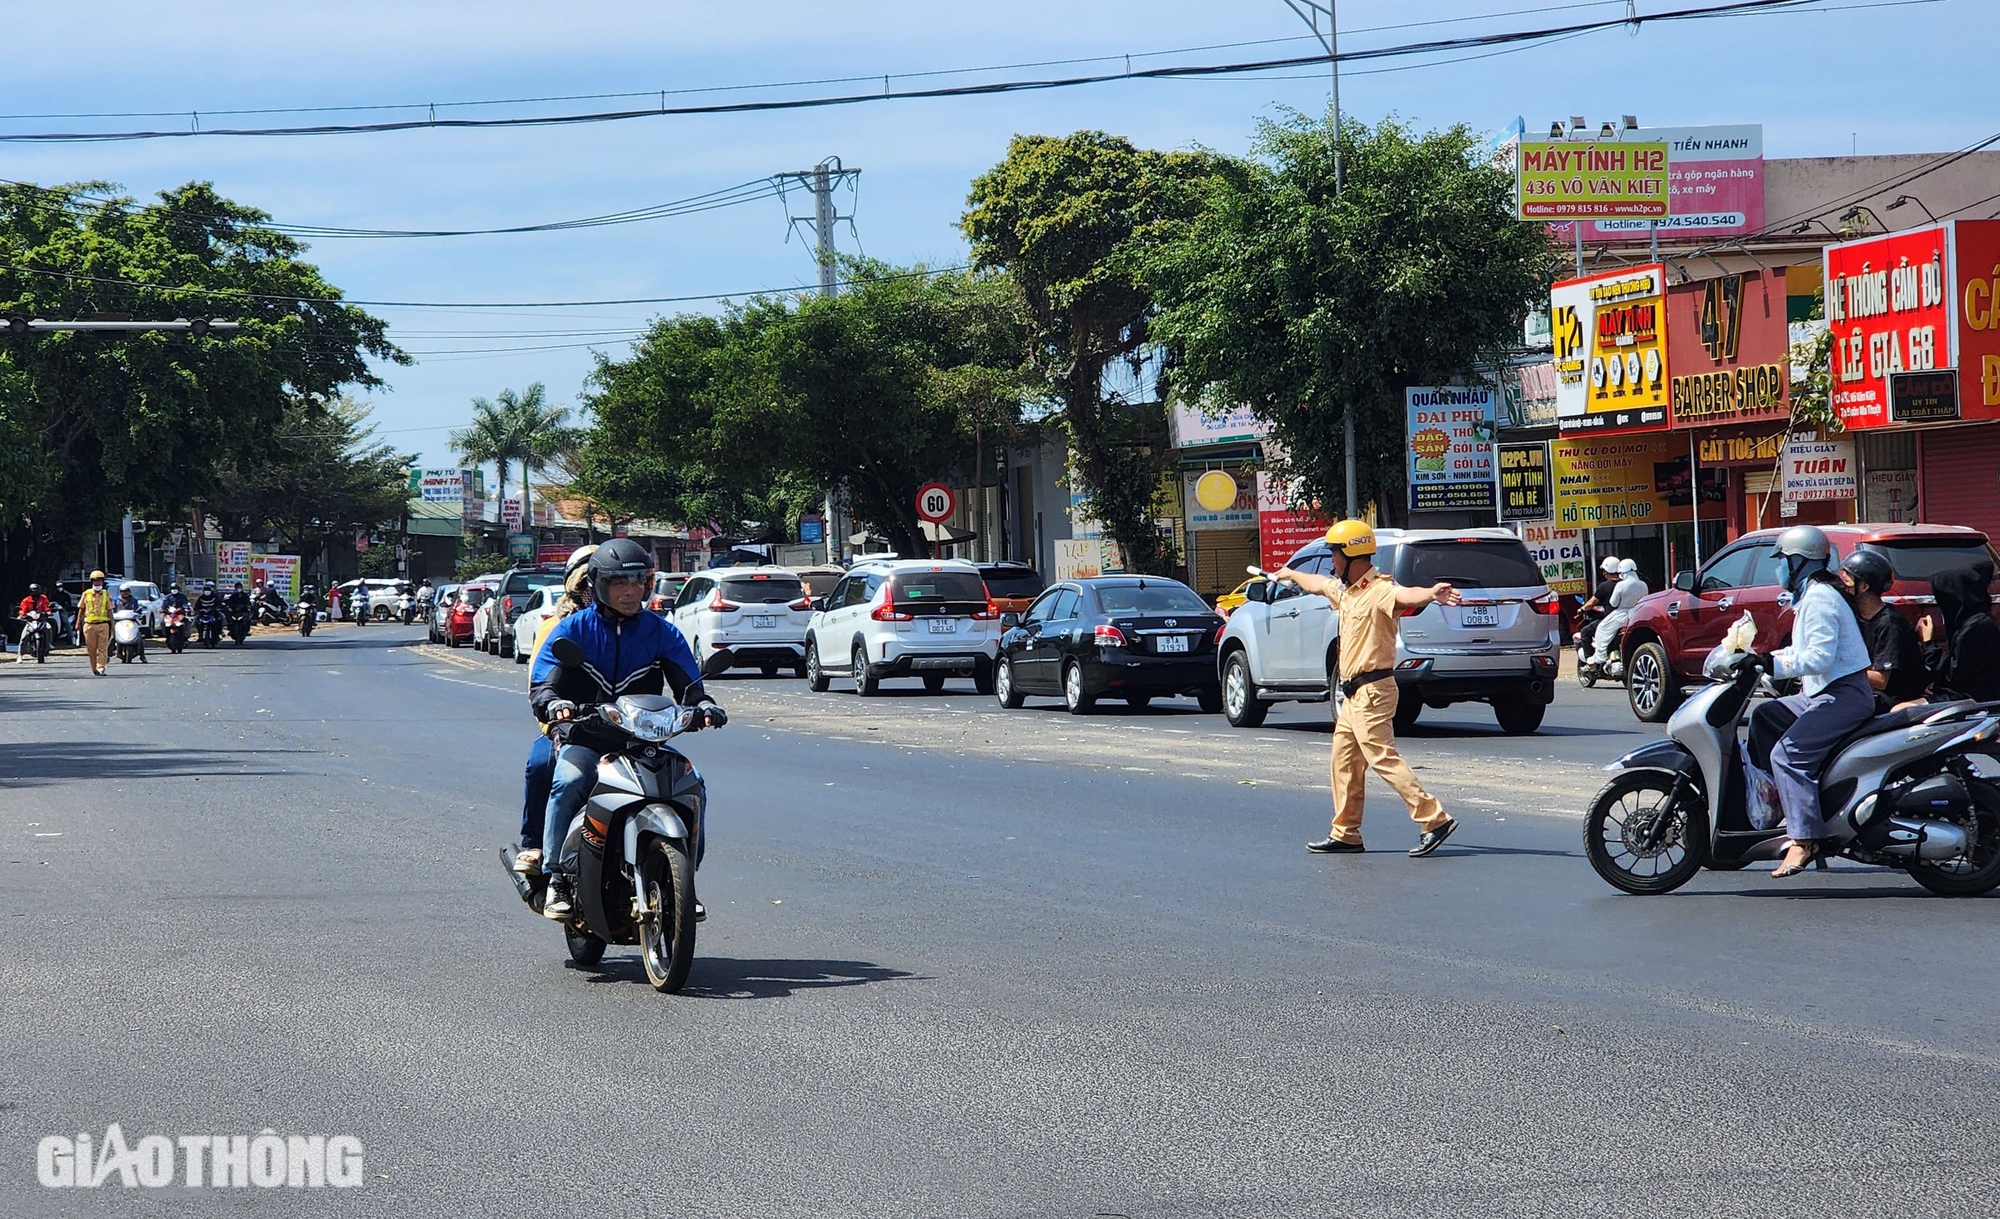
(1228, 602)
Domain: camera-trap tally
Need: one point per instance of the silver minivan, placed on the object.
(1499, 647)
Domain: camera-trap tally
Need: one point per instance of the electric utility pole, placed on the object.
(822, 180)
(1310, 12)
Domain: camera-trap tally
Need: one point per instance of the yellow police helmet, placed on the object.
(1352, 538)
(97, 575)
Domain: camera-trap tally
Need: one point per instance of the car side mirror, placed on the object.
(819, 605)
(1684, 580)
(1009, 620)
(1257, 590)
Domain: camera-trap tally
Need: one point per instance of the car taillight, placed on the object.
(886, 612)
(719, 605)
(803, 603)
(990, 614)
(1408, 611)
(507, 604)
(1219, 628)
(1109, 636)
(1546, 605)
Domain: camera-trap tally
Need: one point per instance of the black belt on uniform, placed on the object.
(1351, 684)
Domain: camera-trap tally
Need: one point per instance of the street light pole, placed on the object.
(1310, 12)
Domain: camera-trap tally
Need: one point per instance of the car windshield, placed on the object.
(1012, 581)
(940, 586)
(1468, 563)
(763, 590)
(820, 583)
(473, 596)
(1918, 559)
(1164, 597)
(527, 581)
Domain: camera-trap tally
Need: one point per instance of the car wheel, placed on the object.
(866, 684)
(520, 657)
(816, 679)
(1650, 685)
(1408, 708)
(933, 683)
(505, 646)
(1003, 685)
(1519, 719)
(982, 677)
(1074, 698)
(1240, 704)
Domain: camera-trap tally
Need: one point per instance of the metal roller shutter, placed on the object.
(1958, 478)
(1219, 557)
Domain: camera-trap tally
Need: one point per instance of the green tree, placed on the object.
(92, 424)
(323, 474)
(516, 429)
(1303, 304)
(1073, 220)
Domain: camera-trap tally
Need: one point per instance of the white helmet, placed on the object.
(1610, 565)
(1626, 567)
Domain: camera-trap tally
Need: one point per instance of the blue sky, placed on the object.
(1894, 77)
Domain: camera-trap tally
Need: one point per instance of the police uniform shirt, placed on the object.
(1367, 610)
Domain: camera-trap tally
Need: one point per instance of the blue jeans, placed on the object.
(575, 772)
(540, 773)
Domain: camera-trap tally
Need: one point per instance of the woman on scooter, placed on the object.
(1966, 662)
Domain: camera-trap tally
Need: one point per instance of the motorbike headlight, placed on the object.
(653, 725)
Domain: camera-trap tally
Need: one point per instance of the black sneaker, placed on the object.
(1432, 840)
(1334, 846)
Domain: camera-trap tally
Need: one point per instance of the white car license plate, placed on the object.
(1170, 643)
(944, 626)
(1479, 615)
(763, 622)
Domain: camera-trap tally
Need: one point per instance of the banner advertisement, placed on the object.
(1977, 293)
(1729, 349)
(1449, 429)
(1525, 490)
(1560, 553)
(441, 486)
(279, 571)
(1591, 179)
(1611, 351)
(1199, 491)
(521, 547)
(1622, 480)
(1715, 185)
(552, 556)
(1889, 307)
(1191, 427)
(1078, 559)
(232, 562)
(1890, 495)
(510, 513)
(1529, 394)
(1281, 528)
(1819, 469)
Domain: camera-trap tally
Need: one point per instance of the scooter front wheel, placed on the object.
(584, 948)
(1642, 839)
(666, 940)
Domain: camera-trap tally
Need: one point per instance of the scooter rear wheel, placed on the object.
(1980, 873)
(666, 941)
(584, 948)
(1638, 843)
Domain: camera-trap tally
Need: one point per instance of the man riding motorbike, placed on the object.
(1592, 611)
(361, 599)
(627, 651)
(176, 599)
(1626, 594)
(1895, 656)
(271, 607)
(540, 772)
(36, 602)
(1791, 738)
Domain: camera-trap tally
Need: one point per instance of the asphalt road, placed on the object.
(258, 888)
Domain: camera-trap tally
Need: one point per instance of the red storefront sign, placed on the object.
(1281, 528)
(1889, 306)
(1976, 291)
(1729, 351)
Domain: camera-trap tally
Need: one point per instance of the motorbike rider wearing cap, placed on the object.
(627, 650)
(1364, 734)
(1792, 737)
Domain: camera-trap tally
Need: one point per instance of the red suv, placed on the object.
(1672, 632)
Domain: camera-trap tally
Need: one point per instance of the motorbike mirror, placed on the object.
(1684, 580)
(567, 650)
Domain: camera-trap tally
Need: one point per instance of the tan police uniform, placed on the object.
(95, 613)
(1364, 734)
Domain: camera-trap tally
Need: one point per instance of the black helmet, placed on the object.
(1871, 571)
(617, 557)
(34, 588)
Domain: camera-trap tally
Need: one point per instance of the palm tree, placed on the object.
(511, 429)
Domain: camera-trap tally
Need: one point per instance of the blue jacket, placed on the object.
(644, 654)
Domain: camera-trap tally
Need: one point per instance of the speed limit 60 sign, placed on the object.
(935, 502)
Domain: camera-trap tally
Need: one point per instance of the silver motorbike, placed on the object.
(1913, 789)
(634, 847)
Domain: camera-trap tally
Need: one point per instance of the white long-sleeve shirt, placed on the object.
(1826, 640)
(1628, 592)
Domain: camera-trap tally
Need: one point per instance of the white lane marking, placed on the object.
(482, 685)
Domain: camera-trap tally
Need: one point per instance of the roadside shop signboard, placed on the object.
(1239, 511)
(1820, 469)
(232, 562)
(1889, 306)
(1591, 179)
(1729, 349)
(1610, 350)
(1078, 558)
(1525, 482)
(1281, 528)
(441, 486)
(279, 571)
(1715, 185)
(1977, 294)
(1561, 556)
(1450, 447)
(1621, 480)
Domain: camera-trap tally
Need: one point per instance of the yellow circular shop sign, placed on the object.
(1215, 491)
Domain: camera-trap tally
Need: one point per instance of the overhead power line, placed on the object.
(994, 88)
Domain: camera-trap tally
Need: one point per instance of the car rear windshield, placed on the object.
(769, 590)
(1012, 582)
(1162, 598)
(474, 596)
(921, 586)
(1477, 563)
(526, 581)
(1919, 560)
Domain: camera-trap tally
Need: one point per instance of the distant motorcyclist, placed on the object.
(361, 600)
(36, 602)
(1593, 610)
(176, 599)
(627, 651)
(1792, 737)
(237, 601)
(1626, 594)
(271, 603)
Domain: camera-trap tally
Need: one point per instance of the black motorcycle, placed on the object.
(239, 624)
(208, 627)
(634, 847)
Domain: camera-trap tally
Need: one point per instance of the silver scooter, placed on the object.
(634, 848)
(1913, 789)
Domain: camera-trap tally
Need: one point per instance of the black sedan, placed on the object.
(1132, 637)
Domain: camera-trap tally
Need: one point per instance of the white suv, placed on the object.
(744, 616)
(1498, 648)
(905, 618)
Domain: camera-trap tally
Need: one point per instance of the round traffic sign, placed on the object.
(935, 502)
